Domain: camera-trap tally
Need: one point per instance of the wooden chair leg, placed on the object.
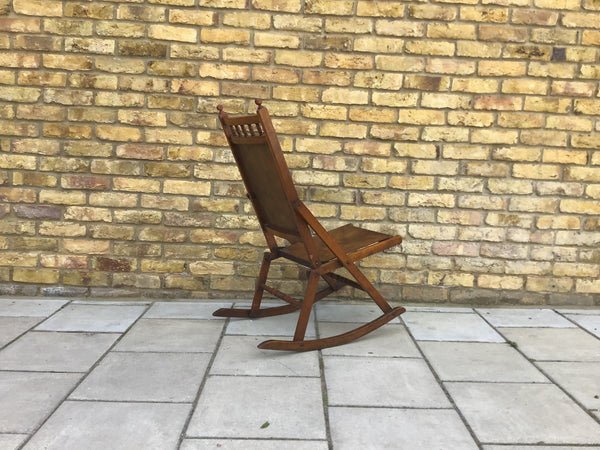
(369, 288)
(262, 279)
(255, 311)
(307, 303)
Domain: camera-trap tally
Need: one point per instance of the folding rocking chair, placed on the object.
(281, 214)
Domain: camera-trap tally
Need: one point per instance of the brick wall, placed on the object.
(470, 127)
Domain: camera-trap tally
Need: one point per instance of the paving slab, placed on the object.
(185, 310)
(11, 441)
(519, 413)
(538, 447)
(252, 444)
(56, 352)
(580, 379)
(151, 377)
(338, 312)
(398, 382)
(477, 361)
(29, 397)
(93, 318)
(283, 325)
(80, 425)
(555, 344)
(442, 326)
(111, 302)
(30, 307)
(259, 407)
(591, 322)
(524, 317)
(393, 429)
(435, 308)
(239, 355)
(584, 311)
(390, 340)
(172, 335)
(12, 327)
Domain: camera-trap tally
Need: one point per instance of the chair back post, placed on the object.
(257, 133)
(288, 182)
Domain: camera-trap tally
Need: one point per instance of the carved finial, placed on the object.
(220, 108)
(258, 102)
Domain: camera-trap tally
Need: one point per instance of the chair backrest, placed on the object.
(265, 173)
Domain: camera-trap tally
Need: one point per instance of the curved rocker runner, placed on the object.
(280, 213)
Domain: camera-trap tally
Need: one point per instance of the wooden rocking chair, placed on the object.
(271, 190)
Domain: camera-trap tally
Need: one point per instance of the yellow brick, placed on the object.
(542, 104)
(441, 233)
(378, 80)
(525, 86)
(302, 94)
(367, 148)
(443, 101)
(277, 5)
(431, 48)
(361, 213)
(38, 8)
(451, 31)
(68, 229)
(502, 68)
(580, 206)
(261, 21)
(86, 246)
(320, 146)
(520, 120)
(470, 119)
(491, 136)
(478, 49)
(88, 214)
(345, 96)
(536, 171)
(548, 284)
(348, 25)
(212, 267)
(588, 286)
(372, 115)
(136, 185)
(62, 198)
(42, 276)
(329, 112)
(297, 58)
(445, 134)
(474, 85)
(364, 181)
(499, 282)
(186, 187)
(558, 222)
(275, 75)
(421, 117)
(18, 259)
(437, 200)
(564, 156)
(507, 186)
(294, 22)
(343, 130)
(544, 137)
(532, 205)
(276, 40)
(576, 270)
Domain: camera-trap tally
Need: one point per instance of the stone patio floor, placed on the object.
(166, 375)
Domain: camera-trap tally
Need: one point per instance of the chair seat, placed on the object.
(349, 237)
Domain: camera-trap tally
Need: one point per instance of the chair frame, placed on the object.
(311, 245)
